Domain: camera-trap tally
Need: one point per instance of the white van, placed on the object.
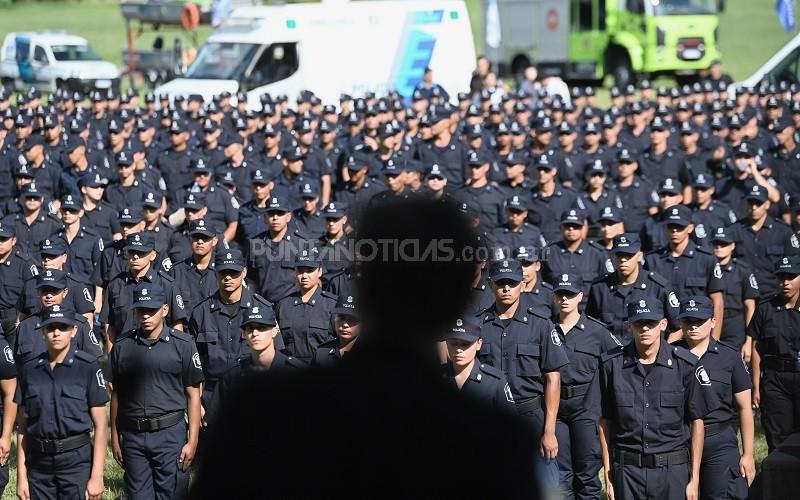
(51, 59)
(783, 66)
(334, 48)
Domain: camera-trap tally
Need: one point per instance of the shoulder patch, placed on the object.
(673, 300)
(8, 353)
(753, 281)
(166, 264)
(613, 353)
(701, 375)
(795, 242)
(717, 271)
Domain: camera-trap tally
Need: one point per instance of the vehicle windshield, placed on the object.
(222, 61)
(675, 7)
(74, 53)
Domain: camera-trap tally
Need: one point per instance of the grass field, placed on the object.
(749, 34)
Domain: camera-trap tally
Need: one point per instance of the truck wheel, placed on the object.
(621, 69)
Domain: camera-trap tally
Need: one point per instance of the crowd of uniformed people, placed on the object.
(635, 292)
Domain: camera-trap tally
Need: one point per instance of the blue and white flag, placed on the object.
(785, 11)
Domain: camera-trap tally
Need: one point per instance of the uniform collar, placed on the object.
(44, 359)
(165, 336)
(147, 277)
(663, 358)
(520, 315)
(314, 298)
(244, 302)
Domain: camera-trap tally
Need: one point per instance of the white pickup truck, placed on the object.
(51, 59)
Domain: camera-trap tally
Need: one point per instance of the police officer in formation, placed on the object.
(156, 376)
(103, 195)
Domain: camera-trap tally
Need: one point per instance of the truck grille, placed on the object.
(691, 49)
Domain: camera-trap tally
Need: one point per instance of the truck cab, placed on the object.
(48, 60)
(591, 39)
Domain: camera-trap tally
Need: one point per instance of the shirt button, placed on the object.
(647, 405)
(646, 426)
(505, 334)
(647, 384)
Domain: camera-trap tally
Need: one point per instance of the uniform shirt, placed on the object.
(524, 348)
(571, 166)
(118, 308)
(584, 345)
(83, 254)
(776, 328)
(336, 255)
(707, 220)
(222, 209)
(636, 200)
(79, 297)
(650, 412)
(195, 284)
(327, 354)
(174, 168)
(485, 385)
(113, 263)
(526, 235)
(312, 226)
(667, 165)
(243, 367)
(150, 376)
(29, 341)
(608, 300)
(489, 200)
(451, 158)
(587, 261)
(252, 221)
(727, 376)
(30, 235)
(739, 284)
(272, 263)
(58, 400)
(357, 199)
(305, 325)
(103, 221)
(540, 299)
(545, 211)
(593, 208)
(695, 272)
(14, 272)
(119, 196)
(761, 249)
(217, 329)
(8, 369)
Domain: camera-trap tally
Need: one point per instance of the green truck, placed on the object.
(592, 39)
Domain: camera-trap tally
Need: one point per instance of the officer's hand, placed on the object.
(548, 446)
(5, 449)
(23, 492)
(94, 488)
(747, 466)
(609, 487)
(692, 489)
(203, 416)
(756, 397)
(187, 456)
(746, 352)
(116, 449)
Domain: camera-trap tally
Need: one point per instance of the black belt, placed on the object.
(533, 403)
(780, 364)
(150, 424)
(652, 461)
(714, 429)
(571, 391)
(54, 446)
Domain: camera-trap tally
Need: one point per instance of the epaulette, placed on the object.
(89, 230)
(84, 357)
(126, 334)
(295, 362)
(539, 313)
(704, 250)
(685, 354)
(177, 334)
(613, 353)
(261, 299)
(545, 284)
(491, 371)
(595, 320)
(329, 295)
(658, 279)
(767, 299)
(593, 243)
(164, 274)
(601, 279)
(729, 346)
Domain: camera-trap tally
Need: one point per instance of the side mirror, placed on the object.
(720, 6)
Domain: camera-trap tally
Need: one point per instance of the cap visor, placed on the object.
(147, 304)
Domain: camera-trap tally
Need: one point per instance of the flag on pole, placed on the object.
(785, 11)
(493, 35)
